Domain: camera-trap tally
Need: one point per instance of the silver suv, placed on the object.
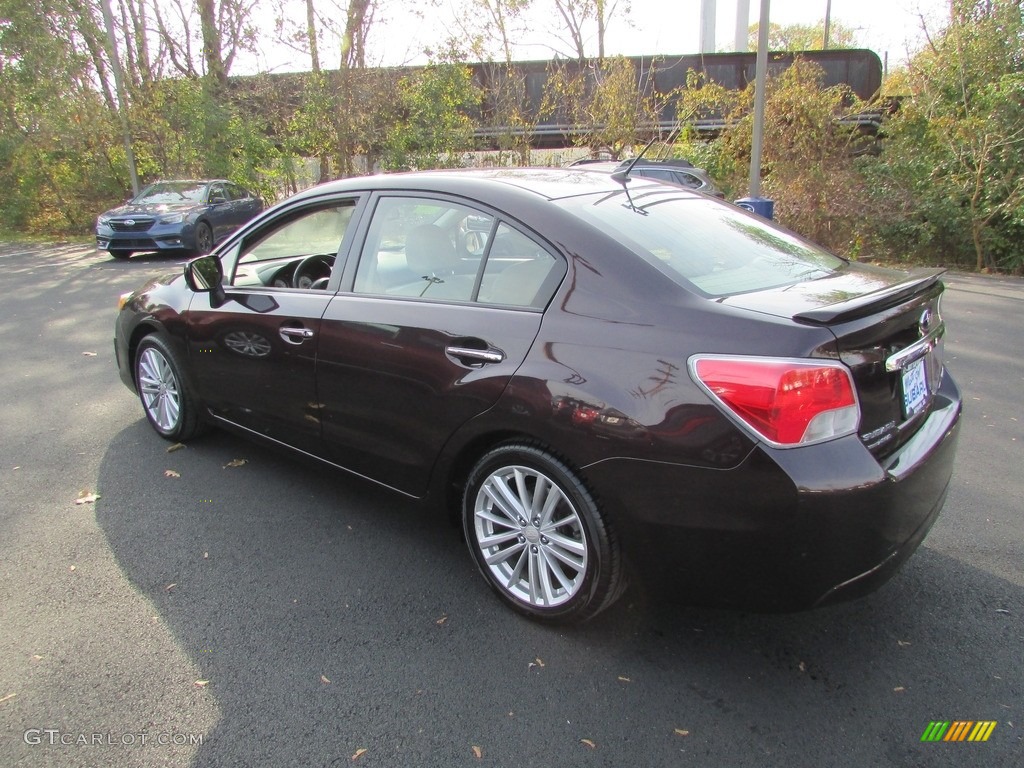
(679, 172)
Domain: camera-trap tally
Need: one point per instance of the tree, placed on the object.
(605, 103)
(433, 126)
(505, 112)
(804, 37)
(579, 16)
(809, 163)
(953, 159)
(58, 141)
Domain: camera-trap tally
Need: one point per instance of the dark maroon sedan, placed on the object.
(610, 379)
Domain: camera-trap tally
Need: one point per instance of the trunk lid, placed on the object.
(888, 331)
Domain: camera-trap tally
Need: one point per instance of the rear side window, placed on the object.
(432, 249)
(713, 247)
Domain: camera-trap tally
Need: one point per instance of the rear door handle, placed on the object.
(476, 357)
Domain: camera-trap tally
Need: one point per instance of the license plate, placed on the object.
(915, 388)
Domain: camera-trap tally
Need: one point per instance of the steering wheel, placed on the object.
(313, 271)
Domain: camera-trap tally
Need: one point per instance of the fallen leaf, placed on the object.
(682, 732)
(206, 555)
(236, 463)
(803, 667)
(324, 680)
(441, 621)
(898, 689)
(8, 696)
(359, 753)
(88, 354)
(175, 447)
(72, 568)
(1002, 610)
(903, 643)
(36, 657)
(171, 473)
(477, 752)
(589, 743)
(624, 679)
(201, 683)
(87, 498)
(169, 587)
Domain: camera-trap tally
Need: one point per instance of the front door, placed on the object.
(259, 347)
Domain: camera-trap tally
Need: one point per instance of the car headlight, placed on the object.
(102, 221)
(124, 298)
(172, 218)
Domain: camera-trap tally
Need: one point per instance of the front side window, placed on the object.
(298, 251)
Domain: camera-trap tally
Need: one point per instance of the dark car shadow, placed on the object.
(331, 616)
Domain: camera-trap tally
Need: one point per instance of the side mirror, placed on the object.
(205, 275)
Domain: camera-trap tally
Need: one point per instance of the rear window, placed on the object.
(713, 247)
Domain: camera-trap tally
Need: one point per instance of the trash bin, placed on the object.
(762, 206)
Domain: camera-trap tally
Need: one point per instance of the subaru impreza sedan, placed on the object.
(176, 215)
(606, 379)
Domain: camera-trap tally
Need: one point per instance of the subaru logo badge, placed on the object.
(130, 222)
(925, 322)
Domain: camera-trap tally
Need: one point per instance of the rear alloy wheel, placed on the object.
(204, 238)
(170, 407)
(538, 536)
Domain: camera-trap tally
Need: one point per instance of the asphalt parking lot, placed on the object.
(225, 605)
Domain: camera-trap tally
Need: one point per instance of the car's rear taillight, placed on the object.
(786, 402)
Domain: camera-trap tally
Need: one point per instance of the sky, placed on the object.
(890, 27)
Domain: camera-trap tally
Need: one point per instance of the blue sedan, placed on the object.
(176, 215)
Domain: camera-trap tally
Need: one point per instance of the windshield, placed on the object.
(173, 192)
(713, 247)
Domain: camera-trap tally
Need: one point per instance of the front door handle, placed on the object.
(471, 356)
(296, 335)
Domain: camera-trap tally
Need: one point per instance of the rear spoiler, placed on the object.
(916, 282)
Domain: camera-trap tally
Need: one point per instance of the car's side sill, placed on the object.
(292, 449)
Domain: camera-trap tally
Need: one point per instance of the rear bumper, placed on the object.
(787, 529)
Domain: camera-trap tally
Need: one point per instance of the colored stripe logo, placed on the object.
(958, 730)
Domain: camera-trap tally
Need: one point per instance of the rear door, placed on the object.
(445, 302)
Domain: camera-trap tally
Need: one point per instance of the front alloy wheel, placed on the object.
(165, 398)
(538, 536)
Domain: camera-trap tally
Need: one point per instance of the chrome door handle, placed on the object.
(296, 335)
(490, 355)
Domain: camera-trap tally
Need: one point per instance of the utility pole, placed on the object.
(761, 78)
(708, 12)
(828, 22)
(741, 40)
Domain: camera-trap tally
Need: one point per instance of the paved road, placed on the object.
(328, 617)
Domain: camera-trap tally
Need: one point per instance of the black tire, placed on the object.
(204, 239)
(558, 561)
(167, 399)
(120, 255)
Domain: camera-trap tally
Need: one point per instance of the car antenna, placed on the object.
(623, 176)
